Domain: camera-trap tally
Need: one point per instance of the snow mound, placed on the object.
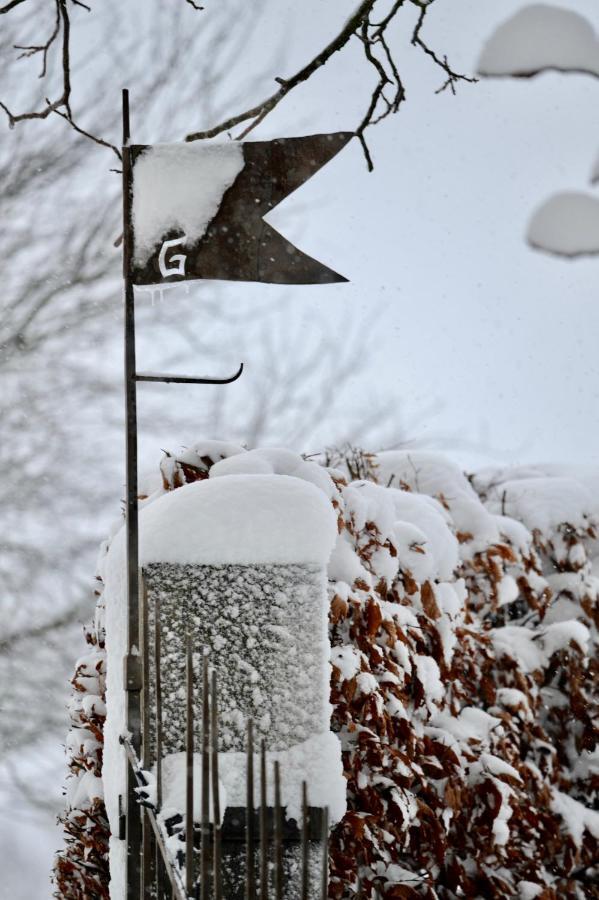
(274, 461)
(544, 503)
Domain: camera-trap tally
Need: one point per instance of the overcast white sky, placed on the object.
(499, 339)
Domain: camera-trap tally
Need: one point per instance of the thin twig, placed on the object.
(88, 134)
(9, 6)
(259, 111)
(417, 41)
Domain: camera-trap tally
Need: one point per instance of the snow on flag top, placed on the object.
(198, 210)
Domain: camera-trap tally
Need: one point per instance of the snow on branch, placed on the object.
(540, 38)
(566, 224)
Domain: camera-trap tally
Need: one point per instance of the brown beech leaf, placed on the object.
(339, 609)
(401, 892)
(374, 617)
(429, 602)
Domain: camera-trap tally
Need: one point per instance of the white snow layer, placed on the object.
(316, 761)
(541, 37)
(566, 224)
(576, 817)
(243, 519)
(544, 502)
(534, 649)
(180, 186)
(274, 461)
(432, 474)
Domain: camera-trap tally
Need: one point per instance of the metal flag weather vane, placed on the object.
(196, 211)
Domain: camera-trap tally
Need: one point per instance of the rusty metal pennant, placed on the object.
(235, 244)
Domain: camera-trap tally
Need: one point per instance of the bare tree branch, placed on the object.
(286, 85)
(386, 97)
(62, 105)
(417, 41)
(388, 92)
(39, 631)
(32, 49)
(9, 6)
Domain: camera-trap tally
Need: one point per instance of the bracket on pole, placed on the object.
(187, 379)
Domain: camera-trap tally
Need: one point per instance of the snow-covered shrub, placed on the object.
(81, 869)
(463, 624)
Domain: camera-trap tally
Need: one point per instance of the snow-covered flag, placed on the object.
(198, 210)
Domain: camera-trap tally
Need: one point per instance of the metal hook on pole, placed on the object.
(188, 379)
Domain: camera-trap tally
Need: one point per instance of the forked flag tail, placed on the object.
(198, 210)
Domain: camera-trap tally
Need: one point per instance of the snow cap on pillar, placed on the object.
(240, 519)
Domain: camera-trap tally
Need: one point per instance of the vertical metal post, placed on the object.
(263, 825)
(132, 662)
(158, 690)
(189, 775)
(278, 835)
(305, 825)
(147, 869)
(250, 882)
(205, 812)
(217, 859)
(325, 854)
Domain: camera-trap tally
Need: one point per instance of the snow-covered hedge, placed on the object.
(463, 623)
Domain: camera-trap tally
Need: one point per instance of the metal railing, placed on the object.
(251, 852)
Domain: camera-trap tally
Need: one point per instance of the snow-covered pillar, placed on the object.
(240, 563)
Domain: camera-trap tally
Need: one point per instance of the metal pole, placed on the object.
(278, 835)
(132, 661)
(158, 690)
(158, 695)
(325, 854)
(189, 775)
(205, 813)
(263, 824)
(250, 883)
(305, 837)
(147, 869)
(217, 872)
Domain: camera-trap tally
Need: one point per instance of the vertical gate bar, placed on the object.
(146, 891)
(217, 857)
(133, 837)
(158, 692)
(189, 774)
(145, 673)
(250, 881)
(263, 824)
(158, 866)
(205, 813)
(325, 854)
(305, 825)
(278, 836)
(147, 872)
